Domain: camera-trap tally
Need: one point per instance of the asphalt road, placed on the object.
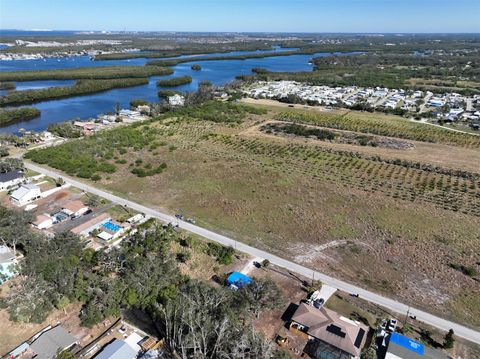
(460, 330)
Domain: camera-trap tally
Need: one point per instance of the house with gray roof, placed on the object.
(52, 341)
(330, 334)
(10, 179)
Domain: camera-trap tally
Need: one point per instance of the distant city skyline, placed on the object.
(338, 16)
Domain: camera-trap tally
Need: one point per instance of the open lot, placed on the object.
(394, 227)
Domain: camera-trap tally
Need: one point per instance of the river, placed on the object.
(84, 107)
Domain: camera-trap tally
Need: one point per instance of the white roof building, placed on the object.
(25, 194)
(43, 221)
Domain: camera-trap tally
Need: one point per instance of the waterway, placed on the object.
(84, 107)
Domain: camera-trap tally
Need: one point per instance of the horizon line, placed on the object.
(251, 32)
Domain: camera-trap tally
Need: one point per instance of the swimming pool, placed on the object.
(112, 226)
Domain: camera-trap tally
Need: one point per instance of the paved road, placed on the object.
(391, 304)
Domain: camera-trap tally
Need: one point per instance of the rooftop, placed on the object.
(74, 206)
(10, 176)
(92, 222)
(330, 327)
(41, 218)
(117, 349)
(50, 342)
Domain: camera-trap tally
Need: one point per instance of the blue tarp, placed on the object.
(238, 279)
(407, 343)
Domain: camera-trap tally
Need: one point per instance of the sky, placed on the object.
(369, 16)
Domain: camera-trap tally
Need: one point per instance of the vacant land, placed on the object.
(404, 222)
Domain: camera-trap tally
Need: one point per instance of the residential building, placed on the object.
(10, 179)
(25, 194)
(7, 261)
(75, 208)
(86, 228)
(18, 351)
(402, 347)
(43, 221)
(117, 349)
(111, 230)
(51, 341)
(330, 334)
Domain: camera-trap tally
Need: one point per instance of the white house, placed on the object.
(43, 221)
(25, 194)
(10, 179)
(7, 261)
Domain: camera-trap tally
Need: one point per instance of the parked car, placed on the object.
(392, 325)
(318, 303)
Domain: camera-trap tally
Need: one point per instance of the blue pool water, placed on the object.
(112, 227)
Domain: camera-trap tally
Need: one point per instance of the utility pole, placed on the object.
(406, 317)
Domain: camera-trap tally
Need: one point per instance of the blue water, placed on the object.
(85, 61)
(217, 72)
